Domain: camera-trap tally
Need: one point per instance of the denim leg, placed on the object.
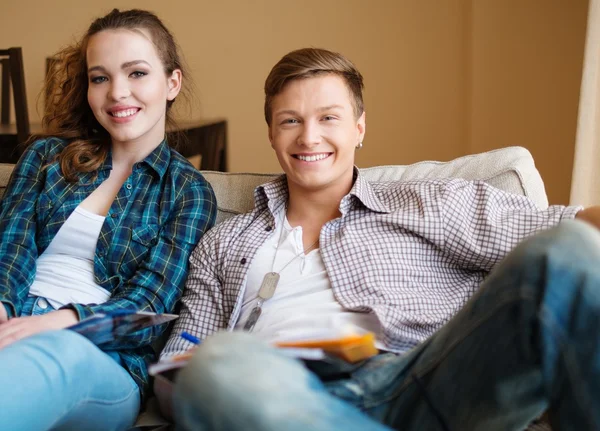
(235, 382)
(527, 340)
(59, 380)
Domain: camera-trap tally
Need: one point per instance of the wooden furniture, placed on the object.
(202, 139)
(13, 77)
(207, 139)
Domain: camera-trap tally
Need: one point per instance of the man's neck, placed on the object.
(312, 210)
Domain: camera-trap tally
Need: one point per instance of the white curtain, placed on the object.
(585, 186)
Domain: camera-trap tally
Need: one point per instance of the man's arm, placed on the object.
(590, 215)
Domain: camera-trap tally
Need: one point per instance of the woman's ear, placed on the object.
(174, 84)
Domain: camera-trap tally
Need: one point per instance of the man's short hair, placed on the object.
(308, 63)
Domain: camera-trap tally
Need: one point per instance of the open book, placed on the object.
(348, 347)
(103, 328)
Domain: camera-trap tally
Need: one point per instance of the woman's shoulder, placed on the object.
(181, 168)
(47, 146)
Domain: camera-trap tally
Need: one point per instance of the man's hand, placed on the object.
(590, 215)
(21, 327)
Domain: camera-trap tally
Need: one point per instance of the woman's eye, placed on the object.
(138, 74)
(98, 79)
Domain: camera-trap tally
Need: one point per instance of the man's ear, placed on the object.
(174, 84)
(361, 126)
(271, 136)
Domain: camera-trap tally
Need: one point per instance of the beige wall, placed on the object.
(443, 78)
(527, 59)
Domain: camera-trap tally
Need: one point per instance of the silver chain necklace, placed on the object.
(270, 281)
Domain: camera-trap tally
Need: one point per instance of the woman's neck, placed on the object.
(128, 154)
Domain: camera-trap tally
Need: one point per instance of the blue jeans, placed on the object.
(59, 380)
(527, 341)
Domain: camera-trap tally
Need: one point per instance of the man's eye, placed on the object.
(138, 74)
(290, 121)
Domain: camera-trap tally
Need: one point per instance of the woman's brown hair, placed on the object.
(307, 63)
(67, 113)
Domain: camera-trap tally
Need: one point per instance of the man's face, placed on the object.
(314, 132)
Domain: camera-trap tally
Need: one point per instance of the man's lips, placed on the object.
(314, 157)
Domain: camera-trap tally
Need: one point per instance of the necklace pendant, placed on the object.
(268, 286)
(252, 319)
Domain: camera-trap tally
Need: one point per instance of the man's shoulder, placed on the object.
(229, 230)
(399, 192)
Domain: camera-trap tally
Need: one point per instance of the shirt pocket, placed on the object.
(143, 239)
(146, 235)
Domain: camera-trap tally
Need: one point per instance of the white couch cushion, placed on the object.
(511, 169)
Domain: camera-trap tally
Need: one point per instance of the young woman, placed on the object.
(100, 215)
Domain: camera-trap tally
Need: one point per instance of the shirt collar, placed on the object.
(158, 159)
(274, 194)
(363, 190)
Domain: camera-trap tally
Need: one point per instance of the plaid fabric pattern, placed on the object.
(158, 216)
(411, 252)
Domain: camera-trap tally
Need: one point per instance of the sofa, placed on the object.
(511, 169)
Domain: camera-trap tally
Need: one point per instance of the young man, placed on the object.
(399, 259)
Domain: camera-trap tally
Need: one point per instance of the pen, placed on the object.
(189, 337)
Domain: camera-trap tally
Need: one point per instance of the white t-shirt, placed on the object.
(303, 305)
(65, 270)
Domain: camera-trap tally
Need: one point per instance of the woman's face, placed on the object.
(128, 89)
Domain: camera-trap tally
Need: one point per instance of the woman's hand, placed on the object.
(21, 327)
(3, 314)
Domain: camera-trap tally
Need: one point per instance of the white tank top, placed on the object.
(65, 271)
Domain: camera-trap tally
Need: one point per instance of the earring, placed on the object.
(359, 145)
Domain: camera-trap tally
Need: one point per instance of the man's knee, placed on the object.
(221, 363)
(572, 241)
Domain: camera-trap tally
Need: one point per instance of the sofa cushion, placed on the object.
(5, 171)
(511, 169)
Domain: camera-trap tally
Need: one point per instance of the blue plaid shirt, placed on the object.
(141, 258)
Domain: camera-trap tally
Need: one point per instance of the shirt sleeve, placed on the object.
(158, 282)
(201, 311)
(18, 249)
(482, 224)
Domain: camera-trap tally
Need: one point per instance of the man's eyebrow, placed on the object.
(292, 112)
(123, 66)
(286, 112)
(330, 107)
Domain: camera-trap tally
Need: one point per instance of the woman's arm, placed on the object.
(18, 248)
(158, 282)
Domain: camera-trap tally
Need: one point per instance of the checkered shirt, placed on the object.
(411, 252)
(143, 249)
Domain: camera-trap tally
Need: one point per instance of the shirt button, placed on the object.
(243, 261)
(42, 303)
(269, 228)
(128, 186)
(114, 215)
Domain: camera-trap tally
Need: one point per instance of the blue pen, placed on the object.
(189, 337)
